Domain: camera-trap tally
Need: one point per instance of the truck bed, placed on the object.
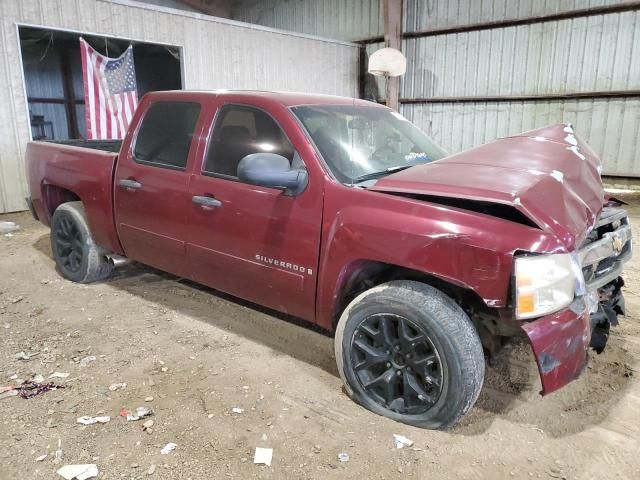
(62, 171)
(104, 145)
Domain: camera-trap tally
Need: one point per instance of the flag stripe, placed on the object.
(109, 92)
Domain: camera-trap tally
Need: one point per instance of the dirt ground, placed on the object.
(199, 354)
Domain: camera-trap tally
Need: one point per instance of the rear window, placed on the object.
(165, 134)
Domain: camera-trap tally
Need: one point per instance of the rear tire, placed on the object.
(408, 352)
(77, 256)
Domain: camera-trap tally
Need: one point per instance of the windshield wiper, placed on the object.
(373, 175)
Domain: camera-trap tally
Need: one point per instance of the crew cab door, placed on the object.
(151, 185)
(254, 242)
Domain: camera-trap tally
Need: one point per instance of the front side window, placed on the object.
(360, 143)
(165, 134)
(240, 131)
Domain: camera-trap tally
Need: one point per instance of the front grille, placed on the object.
(606, 248)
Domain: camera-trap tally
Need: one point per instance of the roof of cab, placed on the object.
(288, 99)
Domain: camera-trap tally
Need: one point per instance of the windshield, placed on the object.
(360, 143)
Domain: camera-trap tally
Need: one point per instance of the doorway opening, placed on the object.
(52, 68)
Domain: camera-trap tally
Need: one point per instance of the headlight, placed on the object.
(546, 283)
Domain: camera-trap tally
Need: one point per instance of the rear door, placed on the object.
(151, 185)
(250, 241)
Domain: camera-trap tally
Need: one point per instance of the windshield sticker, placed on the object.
(417, 157)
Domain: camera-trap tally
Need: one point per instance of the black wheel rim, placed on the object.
(68, 243)
(397, 364)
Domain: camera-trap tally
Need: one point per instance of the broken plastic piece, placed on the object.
(117, 386)
(401, 442)
(86, 361)
(91, 420)
(25, 355)
(263, 456)
(237, 410)
(78, 472)
(343, 457)
(140, 412)
(168, 448)
(8, 227)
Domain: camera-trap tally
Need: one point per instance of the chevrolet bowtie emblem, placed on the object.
(617, 244)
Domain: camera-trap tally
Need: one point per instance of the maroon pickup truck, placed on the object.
(342, 213)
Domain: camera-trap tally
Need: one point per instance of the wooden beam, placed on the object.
(69, 95)
(393, 39)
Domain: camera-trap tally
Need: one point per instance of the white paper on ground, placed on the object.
(263, 455)
(79, 472)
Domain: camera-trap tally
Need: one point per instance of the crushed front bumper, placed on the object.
(561, 341)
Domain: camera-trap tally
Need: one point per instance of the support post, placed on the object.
(393, 39)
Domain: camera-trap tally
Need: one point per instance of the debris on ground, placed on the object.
(152, 469)
(86, 361)
(58, 454)
(140, 412)
(86, 420)
(29, 388)
(8, 227)
(263, 456)
(16, 299)
(168, 448)
(78, 472)
(117, 386)
(401, 442)
(148, 399)
(237, 410)
(7, 388)
(343, 457)
(26, 356)
(146, 426)
(59, 375)
(41, 458)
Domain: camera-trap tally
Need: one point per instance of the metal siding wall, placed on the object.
(596, 53)
(431, 14)
(216, 55)
(342, 19)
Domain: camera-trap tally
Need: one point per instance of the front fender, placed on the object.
(468, 249)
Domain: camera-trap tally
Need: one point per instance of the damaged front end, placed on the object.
(560, 341)
(602, 256)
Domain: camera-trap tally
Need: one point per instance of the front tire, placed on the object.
(77, 256)
(408, 352)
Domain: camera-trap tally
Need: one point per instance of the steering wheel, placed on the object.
(381, 153)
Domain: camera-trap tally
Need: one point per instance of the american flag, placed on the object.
(110, 95)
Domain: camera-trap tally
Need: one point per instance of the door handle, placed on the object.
(206, 201)
(127, 183)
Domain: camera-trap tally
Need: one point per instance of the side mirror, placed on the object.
(274, 171)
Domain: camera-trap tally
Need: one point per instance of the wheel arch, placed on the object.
(53, 196)
(362, 275)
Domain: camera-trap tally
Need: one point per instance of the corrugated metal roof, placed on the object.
(343, 19)
(431, 14)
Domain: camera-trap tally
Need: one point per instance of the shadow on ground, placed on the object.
(511, 383)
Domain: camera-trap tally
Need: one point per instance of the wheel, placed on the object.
(408, 352)
(77, 257)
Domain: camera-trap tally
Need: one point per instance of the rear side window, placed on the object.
(165, 134)
(239, 131)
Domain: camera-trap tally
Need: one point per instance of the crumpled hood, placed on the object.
(549, 174)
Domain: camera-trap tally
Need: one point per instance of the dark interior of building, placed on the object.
(53, 76)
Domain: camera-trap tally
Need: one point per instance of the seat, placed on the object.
(233, 144)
